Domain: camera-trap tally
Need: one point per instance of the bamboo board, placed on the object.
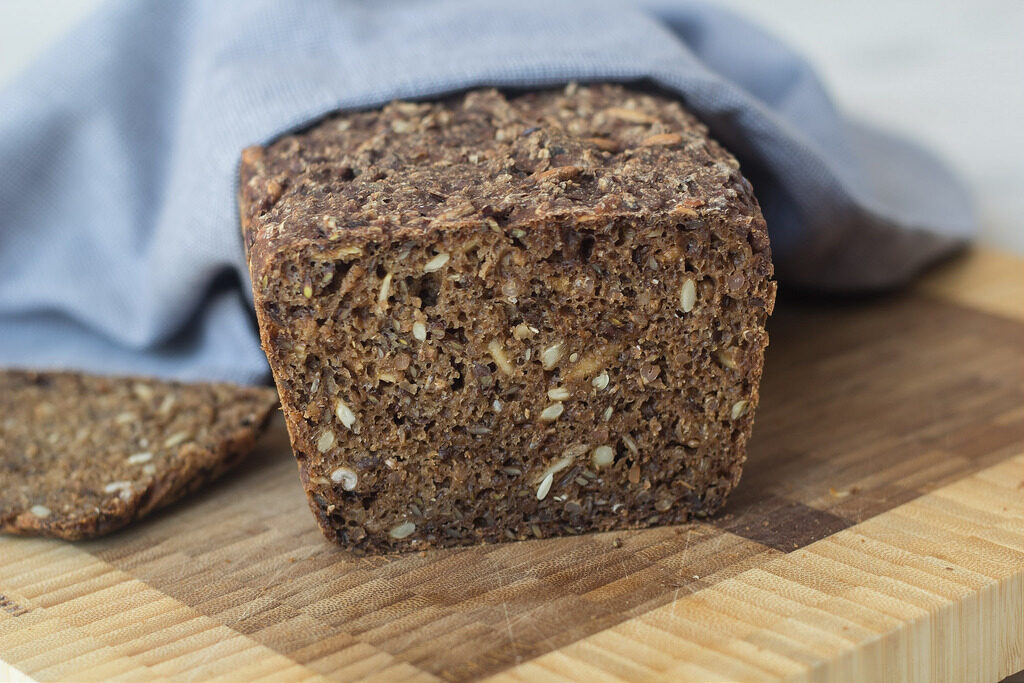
(878, 534)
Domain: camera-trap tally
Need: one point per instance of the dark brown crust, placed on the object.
(66, 437)
(412, 168)
(578, 214)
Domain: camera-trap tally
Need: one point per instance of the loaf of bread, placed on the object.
(501, 317)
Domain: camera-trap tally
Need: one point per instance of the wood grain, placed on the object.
(983, 279)
(928, 591)
(878, 534)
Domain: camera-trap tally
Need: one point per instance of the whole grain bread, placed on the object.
(498, 317)
(83, 455)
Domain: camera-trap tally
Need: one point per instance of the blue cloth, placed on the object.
(119, 242)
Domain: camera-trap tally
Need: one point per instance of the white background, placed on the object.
(948, 74)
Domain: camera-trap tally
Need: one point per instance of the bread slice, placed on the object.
(82, 455)
(499, 317)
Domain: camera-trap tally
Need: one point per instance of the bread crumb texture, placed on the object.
(82, 455)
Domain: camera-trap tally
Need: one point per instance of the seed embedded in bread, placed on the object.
(326, 441)
(346, 477)
(558, 394)
(552, 355)
(436, 263)
(739, 409)
(688, 295)
(603, 456)
(403, 530)
(344, 413)
(523, 331)
(176, 439)
(497, 352)
(385, 291)
(545, 486)
(552, 412)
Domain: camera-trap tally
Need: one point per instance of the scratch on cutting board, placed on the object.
(682, 566)
(686, 549)
(508, 625)
(285, 566)
(625, 569)
(527, 618)
(508, 622)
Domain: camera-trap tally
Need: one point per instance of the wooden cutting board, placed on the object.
(878, 534)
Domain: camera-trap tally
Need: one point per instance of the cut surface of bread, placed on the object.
(82, 455)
